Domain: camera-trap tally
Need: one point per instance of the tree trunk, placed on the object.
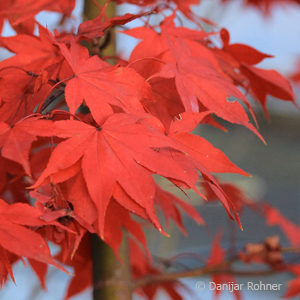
(111, 278)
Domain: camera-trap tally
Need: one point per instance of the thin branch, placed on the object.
(219, 269)
(290, 250)
(222, 268)
(52, 101)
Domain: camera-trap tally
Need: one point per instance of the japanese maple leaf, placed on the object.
(259, 82)
(20, 13)
(102, 86)
(236, 195)
(213, 159)
(198, 77)
(125, 149)
(15, 141)
(40, 269)
(191, 165)
(243, 53)
(20, 240)
(32, 53)
(81, 263)
(24, 214)
(6, 260)
(168, 104)
(24, 26)
(291, 230)
(205, 157)
(116, 219)
(198, 80)
(21, 87)
(154, 54)
(268, 82)
(185, 5)
(170, 205)
(82, 204)
(293, 288)
(95, 28)
(19, 97)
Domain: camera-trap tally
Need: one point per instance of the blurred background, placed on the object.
(275, 167)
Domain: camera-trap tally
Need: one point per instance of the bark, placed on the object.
(112, 279)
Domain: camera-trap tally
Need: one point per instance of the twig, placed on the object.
(222, 268)
(52, 101)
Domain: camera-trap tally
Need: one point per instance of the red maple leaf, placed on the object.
(18, 239)
(15, 142)
(258, 82)
(21, 13)
(112, 149)
(101, 85)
